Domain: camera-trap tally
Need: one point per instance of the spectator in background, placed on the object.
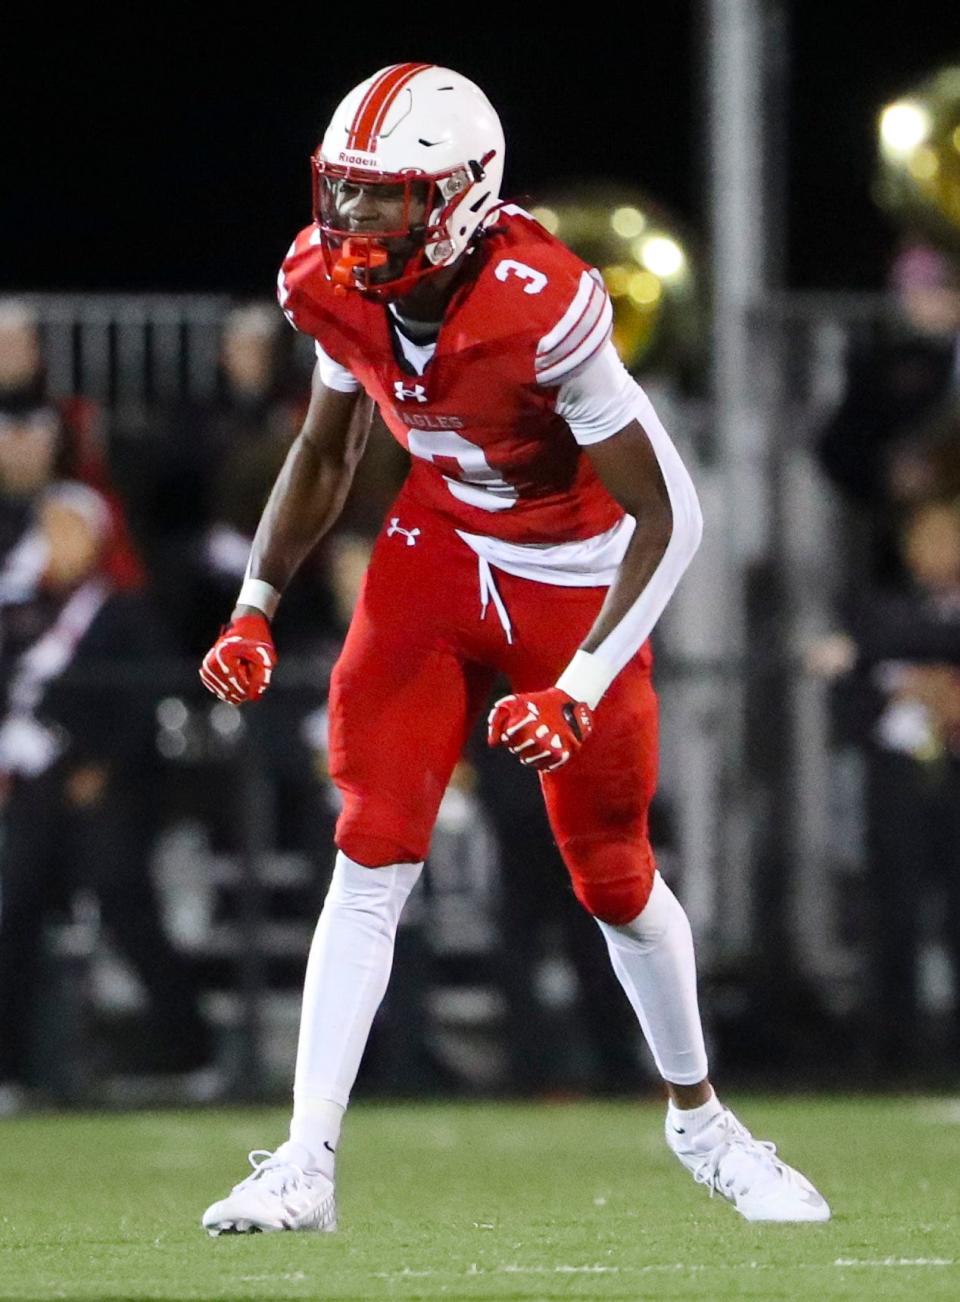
(42, 439)
(248, 433)
(71, 747)
(258, 415)
(253, 432)
(901, 665)
(895, 438)
(196, 474)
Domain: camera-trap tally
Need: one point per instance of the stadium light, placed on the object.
(903, 126)
(628, 222)
(661, 255)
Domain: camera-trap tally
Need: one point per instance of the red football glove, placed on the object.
(543, 729)
(238, 666)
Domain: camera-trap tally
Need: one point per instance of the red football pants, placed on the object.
(417, 666)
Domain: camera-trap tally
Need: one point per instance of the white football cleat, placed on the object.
(282, 1194)
(746, 1171)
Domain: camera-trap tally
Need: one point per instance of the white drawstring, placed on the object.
(488, 593)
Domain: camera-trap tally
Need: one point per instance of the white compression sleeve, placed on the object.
(347, 974)
(654, 962)
(598, 403)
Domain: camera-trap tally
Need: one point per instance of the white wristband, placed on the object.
(586, 678)
(264, 596)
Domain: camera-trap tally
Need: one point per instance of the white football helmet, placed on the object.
(411, 163)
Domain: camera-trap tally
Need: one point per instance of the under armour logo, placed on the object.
(411, 535)
(417, 392)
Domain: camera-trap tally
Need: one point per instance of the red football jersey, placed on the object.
(488, 449)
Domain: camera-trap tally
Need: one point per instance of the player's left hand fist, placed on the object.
(239, 665)
(543, 729)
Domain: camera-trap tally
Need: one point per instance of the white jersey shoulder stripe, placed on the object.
(588, 315)
(588, 346)
(555, 336)
(583, 329)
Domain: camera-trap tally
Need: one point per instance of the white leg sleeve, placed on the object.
(654, 962)
(347, 974)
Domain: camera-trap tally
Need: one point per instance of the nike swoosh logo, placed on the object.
(677, 1130)
(328, 1148)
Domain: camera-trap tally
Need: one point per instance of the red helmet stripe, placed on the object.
(376, 104)
(371, 90)
(390, 99)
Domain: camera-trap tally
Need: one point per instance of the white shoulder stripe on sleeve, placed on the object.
(585, 346)
(580, 328)
(575, 336)
(570, 317)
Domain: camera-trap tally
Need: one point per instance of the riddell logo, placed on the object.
(360, 160)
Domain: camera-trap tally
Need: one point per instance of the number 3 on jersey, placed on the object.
(535, 280)
(468, 474)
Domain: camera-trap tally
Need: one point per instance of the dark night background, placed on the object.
(174, 156)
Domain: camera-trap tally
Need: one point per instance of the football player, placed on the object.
(543, 526)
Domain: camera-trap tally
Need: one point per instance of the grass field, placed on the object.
(483, 1201)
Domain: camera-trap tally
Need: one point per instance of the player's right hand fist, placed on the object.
(239, 665)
